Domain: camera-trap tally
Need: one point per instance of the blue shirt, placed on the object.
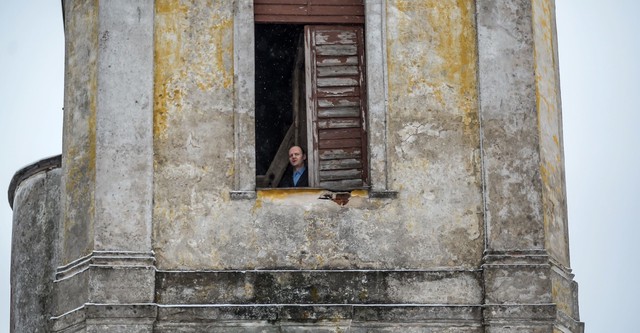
(297, 174)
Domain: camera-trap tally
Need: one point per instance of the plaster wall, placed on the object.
(107, 161)
(432, 123)
(107, 140)
(79, 133)
(550, 126)
(34, 248)
(564, 290)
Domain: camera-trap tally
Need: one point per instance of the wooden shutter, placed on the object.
(336, 107)
(309, 11)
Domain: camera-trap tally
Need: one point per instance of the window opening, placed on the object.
(310, 91)
(280, 98)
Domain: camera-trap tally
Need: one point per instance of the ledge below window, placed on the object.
(251, 195)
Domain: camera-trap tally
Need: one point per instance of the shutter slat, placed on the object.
(336, 2)
(339, 133)
(282, 2)
(334, 154)
(308, 19)
(337, 10)
(342, 143)
(339, 101)
(337, 50)
(337, 71)
(345, 112)
(336, 60)
(342, 184)
(338, 123)
(340, 174)
(337, 91)
(340, 164)
(333, 37)
(338, 82)
(280, 10)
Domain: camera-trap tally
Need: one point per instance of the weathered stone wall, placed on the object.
(107, 164)
(550, 126)
(36, 209)
(433, 127)
(564, 290)
(193, 134)
(79, 133)
(526, 261)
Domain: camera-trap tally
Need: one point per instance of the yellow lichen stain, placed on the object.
(193, 49)
(543, 17)
(559, 294)
(169, 6)
(402, 6)
(548, 173)
(359, 193)
(214, 68)
(278, 194)
(257, 205)
(547, 104)
(405, 67)
(544, 174)
(432, 54)
(168, 59)
(544, 64)
(457, 48)
(219, 31)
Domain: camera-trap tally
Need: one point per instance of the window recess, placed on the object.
(310, 91)
(248, 18)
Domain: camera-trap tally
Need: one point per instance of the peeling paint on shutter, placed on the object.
(336, 105)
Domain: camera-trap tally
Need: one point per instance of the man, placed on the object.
(296, 174)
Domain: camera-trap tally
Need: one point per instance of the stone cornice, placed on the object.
(107, 259)
(43, 165)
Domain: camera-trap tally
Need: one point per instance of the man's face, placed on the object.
(296, 157)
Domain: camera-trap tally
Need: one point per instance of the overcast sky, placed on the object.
(600, 75)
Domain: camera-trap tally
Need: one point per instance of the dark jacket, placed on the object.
(287, 179)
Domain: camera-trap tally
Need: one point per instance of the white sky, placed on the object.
(600, 75)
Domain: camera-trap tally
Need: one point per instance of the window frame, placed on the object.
(244, 186)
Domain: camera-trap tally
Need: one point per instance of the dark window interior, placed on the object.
(276, 46)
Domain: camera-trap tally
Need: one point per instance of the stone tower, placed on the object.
(434, 144)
